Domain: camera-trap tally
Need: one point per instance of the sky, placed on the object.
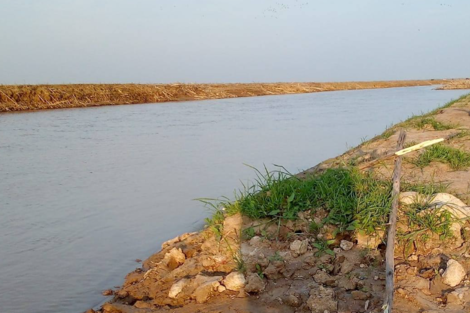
(212, 41)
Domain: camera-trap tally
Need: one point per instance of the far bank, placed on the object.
(42, 97)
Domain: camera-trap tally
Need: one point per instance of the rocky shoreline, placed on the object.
(304, 264)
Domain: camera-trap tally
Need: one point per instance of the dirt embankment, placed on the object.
(320, 249)
(456, 84)
(38, 97)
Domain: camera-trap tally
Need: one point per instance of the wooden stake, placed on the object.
(389, 255)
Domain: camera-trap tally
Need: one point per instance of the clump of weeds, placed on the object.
(456, 158)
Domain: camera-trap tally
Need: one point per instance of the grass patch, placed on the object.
(430, 122)
(387, 133)
(425, 188)
(353, 200)
(424, 120)
(456, 158)
(425, 218)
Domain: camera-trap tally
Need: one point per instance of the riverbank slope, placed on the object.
(41, 97)
(314, 242)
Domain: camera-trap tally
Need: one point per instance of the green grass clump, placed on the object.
(387, 133)
(456, 158)
(423, 122)
(353, 199)
(425, 188)
(426, 119)
(424, 218)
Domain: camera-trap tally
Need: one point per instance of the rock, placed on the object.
(122, 294)
(299, 247)
(439, 200)
(241, 294)
(174, 258)
(454, 273)
(325, 259)
(205, 291)
(323, 278)
(208, 262)
(430, 261)
(170, 242)
(177, 287)
(322, 299)
(256, 241)
(293, 301)
(347, 266)
(108, 292)
(360, 295)
(346, 245)
(234, 281)
(202, 279)
(369, 241)
(213, 262)
(337, 250)
(452, 204)
(221, 288)
(458, 296)
(442, 202)
(177, 239)
(410, 197)
(272, 272)
(310, 261)
(346, 283)
(143, 305)
(254, 284)
(232, 225)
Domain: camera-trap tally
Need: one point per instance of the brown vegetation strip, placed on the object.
(456, 84)
(37, 97)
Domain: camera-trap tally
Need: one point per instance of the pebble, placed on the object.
(346, 245)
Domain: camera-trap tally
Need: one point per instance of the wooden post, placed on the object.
(389, 255)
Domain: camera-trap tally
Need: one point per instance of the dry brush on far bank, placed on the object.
(38, 97)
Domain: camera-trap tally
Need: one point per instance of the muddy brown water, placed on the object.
(85, 192)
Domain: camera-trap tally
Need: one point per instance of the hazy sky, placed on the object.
(159, 41)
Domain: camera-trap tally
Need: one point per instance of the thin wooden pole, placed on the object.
(389, 255)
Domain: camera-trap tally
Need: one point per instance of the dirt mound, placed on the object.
(291, 270)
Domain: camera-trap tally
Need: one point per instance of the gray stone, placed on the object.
(453, 274)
